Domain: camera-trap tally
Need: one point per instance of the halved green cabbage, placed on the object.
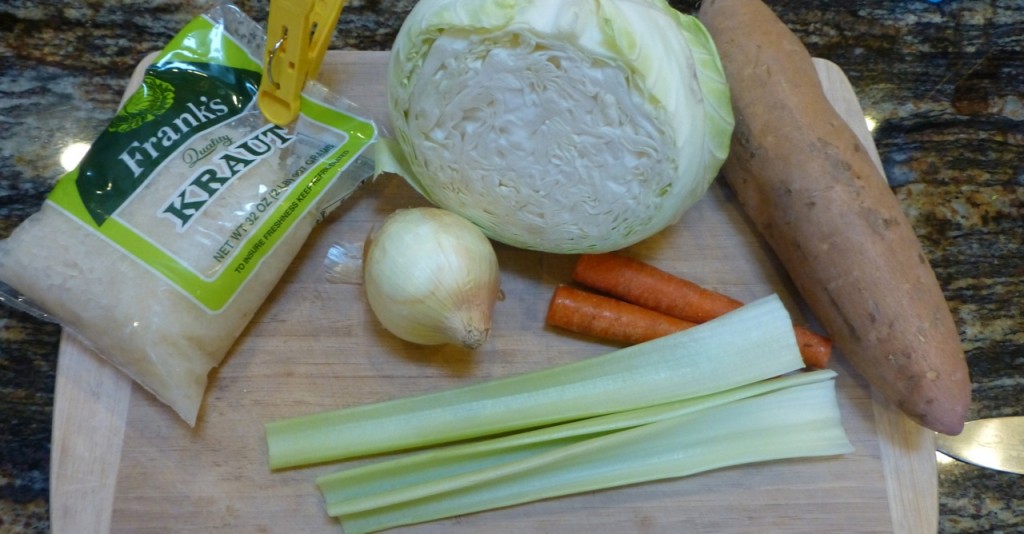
(558, 125)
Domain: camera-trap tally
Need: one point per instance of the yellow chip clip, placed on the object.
(298, 34)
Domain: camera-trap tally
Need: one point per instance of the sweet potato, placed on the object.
(811, 189)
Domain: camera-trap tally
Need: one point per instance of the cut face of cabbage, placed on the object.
(554, 138)
(556, 126)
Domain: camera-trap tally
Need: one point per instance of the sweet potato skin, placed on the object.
(813, 192)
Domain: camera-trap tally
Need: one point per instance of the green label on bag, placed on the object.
(175, 103)
(191, 181)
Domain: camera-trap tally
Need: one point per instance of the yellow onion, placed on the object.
(432, 278)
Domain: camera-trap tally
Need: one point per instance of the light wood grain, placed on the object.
(314, 345)
(88, 428)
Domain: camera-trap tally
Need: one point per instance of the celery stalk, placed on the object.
(753, 343)
(374, 485)
(798, 421)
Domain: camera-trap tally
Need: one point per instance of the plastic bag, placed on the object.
(162, 244)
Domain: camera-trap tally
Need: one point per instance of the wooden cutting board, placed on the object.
(123, 462)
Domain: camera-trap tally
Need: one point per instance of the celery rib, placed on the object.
(753, 343)
(796, 421)
(377, 478)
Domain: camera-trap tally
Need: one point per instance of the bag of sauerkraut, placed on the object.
(160, 246)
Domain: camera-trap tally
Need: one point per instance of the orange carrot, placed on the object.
(647, 286)
(815, 348)
(643, 284)
(606, 318)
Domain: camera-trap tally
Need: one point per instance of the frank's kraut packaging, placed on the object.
(162, 244)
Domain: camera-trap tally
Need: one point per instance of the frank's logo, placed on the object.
(153, 99)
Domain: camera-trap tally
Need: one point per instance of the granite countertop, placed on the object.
(943, 80)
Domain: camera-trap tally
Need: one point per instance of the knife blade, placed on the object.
(995, 443)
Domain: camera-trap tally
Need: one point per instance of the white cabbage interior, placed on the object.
(536, 142)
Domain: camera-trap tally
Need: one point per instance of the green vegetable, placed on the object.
(755, 342)
(378, 478)
(795, 416)
(558, 125)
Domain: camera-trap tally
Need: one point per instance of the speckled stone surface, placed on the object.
(943, 80)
